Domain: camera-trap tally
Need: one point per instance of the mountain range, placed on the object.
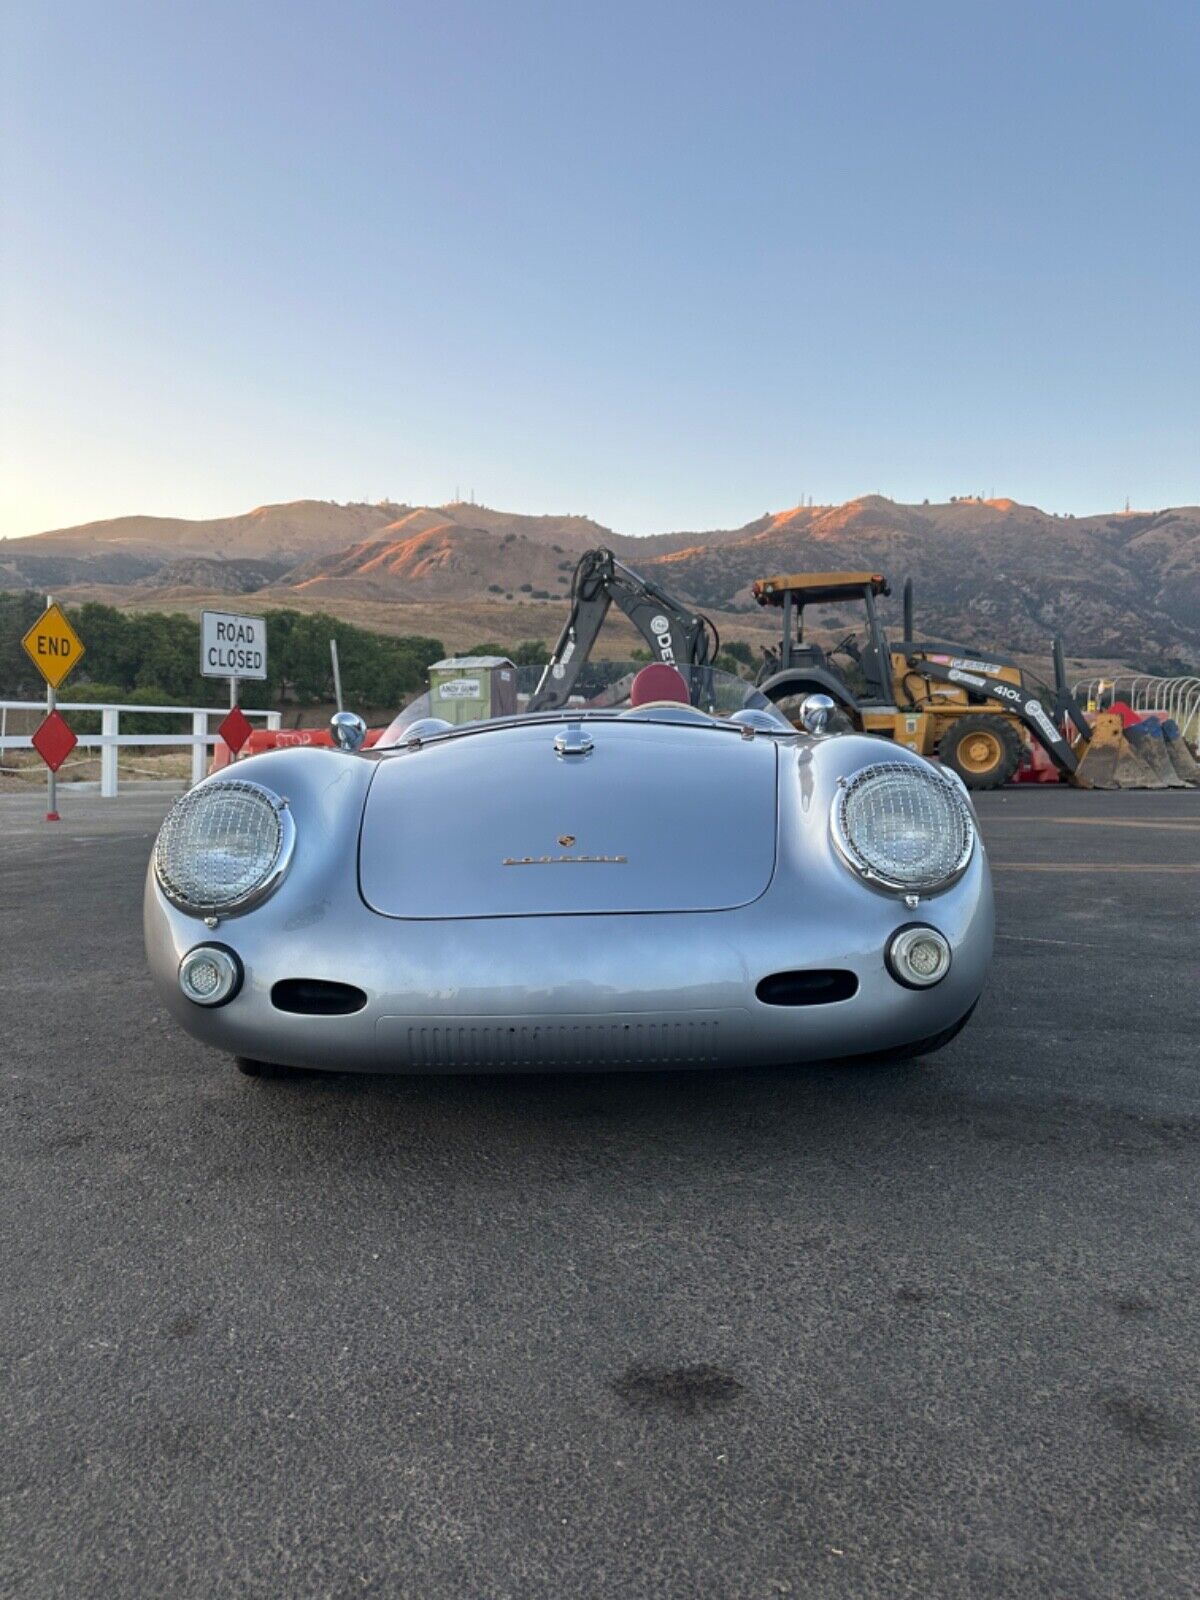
(1121, 586)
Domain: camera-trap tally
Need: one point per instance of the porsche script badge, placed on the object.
(564, 861)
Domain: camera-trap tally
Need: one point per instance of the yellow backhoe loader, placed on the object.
(976, 711)
(972, 709)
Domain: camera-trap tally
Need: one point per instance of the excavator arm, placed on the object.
(674, 634)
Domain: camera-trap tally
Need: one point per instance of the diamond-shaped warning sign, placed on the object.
(53, 645)
(235, 729)
(54, 741)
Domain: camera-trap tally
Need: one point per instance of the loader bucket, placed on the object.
(1134, 773)
(1147, 739)
(1110, 761)
(1098, 757)
(1181, 757)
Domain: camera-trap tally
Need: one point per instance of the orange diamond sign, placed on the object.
(53, 645)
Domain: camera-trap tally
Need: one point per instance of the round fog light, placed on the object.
(210, 975)
(918, 957)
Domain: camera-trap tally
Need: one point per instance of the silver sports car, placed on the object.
(665, 874)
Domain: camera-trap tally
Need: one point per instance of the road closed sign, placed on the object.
(232, 646)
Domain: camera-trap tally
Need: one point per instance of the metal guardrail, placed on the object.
(110, 740)
(1177, 698)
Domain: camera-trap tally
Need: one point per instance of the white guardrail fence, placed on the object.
(1175, 697)
(1178, 698)
(110, 739)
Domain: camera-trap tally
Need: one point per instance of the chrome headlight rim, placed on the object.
(266, 886)
(847, 786)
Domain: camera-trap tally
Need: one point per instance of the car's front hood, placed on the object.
(656, 818)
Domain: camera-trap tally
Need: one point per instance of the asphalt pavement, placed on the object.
(922, 1330)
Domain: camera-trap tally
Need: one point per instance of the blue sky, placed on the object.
(667, 264)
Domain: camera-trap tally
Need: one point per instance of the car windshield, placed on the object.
(475, 690)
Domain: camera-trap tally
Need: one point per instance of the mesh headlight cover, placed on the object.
(904, 826)
(221, 845)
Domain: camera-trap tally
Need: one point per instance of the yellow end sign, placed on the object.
(53, 645)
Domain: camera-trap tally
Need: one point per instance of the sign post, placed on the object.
(233, 647)
(55, 650)
(51, 772)
(337, 674)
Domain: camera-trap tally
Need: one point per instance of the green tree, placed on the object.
(726, 661)
(155, 657)
(19, 678)
(530, 653)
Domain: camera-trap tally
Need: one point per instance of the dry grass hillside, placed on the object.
(985, 571)
(275, 533)
(441, 559)
(1122, 586)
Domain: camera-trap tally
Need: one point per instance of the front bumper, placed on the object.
(622, 991)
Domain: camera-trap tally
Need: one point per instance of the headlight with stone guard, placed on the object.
(903, 827)
(223, 847)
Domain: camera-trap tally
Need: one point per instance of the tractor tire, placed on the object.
(984, 750)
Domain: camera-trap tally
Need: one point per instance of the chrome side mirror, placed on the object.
(348, 729)
(815, 712)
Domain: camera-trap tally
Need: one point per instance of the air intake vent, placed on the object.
(316, 997)
(522, 1044)
(815, 988)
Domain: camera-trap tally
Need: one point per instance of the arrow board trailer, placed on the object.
(232, 646)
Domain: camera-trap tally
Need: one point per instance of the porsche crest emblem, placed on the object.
(566, 840)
